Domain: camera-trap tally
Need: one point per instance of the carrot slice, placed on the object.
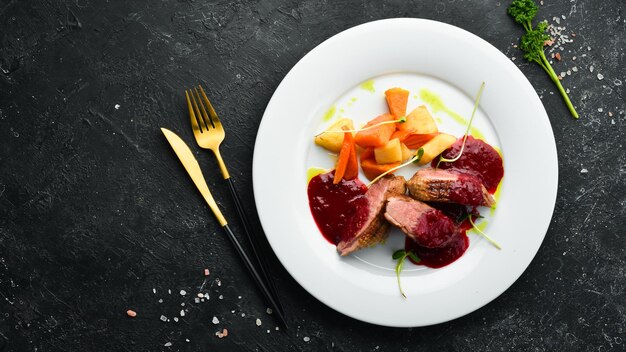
(377, 136)
(397, 99)
(344, 156)
(371, 169)
(416, 140)
(352, 169)
(400, 134)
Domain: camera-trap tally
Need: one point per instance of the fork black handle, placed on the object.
(255, 275)
(254, 244)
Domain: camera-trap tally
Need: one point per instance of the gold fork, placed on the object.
(209, 134)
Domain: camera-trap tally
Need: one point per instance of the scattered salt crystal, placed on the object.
(183, 292)
(610, 114)
(206, 295)
(567, 91)
(600, 76)
(557, 20)
(182, 304)
(196, 300)
(201, 299)
(277, 328)
(569, 72)
(154, 291)
(268, 331)
(268, 310)
(167, 344)
(131, 313)
(200, 295)
(238, 297)
(219, 282)
(222, 333)
(169, 292)
(163, 318)
(590, 68)
(160, 300)
(563, 74)
(258, 322)
(612, 122)
(206, 272)
(584, 171)
(588, 48)
(215, 321)
(182, 312)
(232, 311)
(306, 339)
(243, 315)
(557, 56)
(575, 69)
(186, 340)
(176, 319)
(600, 109)
(574, 58)
(513, 58)
(563, 16)
(117, 106)
(221, 297)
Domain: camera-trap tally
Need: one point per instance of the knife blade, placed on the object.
(193, 169)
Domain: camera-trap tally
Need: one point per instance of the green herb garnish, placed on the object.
(416, 158)
(469, 124)
(532, 43)
(400, 255)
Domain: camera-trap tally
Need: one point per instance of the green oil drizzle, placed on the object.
(312, 172)
(436, 104)
(368, 86)
(330, 113)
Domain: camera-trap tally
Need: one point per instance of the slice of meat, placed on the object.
(438, 185)
(374, 229)
(427, 226)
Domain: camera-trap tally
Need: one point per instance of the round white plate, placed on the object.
(350, 72)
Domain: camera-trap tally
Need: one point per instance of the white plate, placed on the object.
(413, 54)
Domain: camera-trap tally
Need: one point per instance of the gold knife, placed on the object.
(193, 169)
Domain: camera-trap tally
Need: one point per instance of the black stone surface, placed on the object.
(95, 212)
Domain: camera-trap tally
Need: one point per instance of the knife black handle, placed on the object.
(254, 244)
(255, 275)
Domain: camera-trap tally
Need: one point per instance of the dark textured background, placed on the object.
(95, 211)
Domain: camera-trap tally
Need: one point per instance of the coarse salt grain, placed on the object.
(186, 340)
(268, 311)
(222, 333)
(277, 328)
(219, 282)
(131, 313)
(221, 297)
(258, 322)
(590, 68)
(200, 295)
(182, 312)
(169, 292)
(117, 106)
(563, 74)
(163, 318)
(600, 109)
(167, 344)
(183, 292)
(154, 291)
(584, 171)
(182, 304)
(160, 300)
(215, 321)
(238, 297)
(206, 272)
(243, 315)
(306, 339)
(610, 114)
(575, 69)
(176, 319)
(196, 300)
(600, 76)
(268, 331)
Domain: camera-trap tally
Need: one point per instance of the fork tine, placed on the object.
(207, 119)
(198, 114)
(212, 113)
(192, 116)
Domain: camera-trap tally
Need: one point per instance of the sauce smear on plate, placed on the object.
(478, 159)
(339, 210)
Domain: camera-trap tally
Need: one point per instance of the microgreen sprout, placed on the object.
(482, 233)
(416, 158)
(400, 255)
(400, 120)
(469, 124)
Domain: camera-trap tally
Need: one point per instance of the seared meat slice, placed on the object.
(374, 229)
(427, 226)
(438, 185)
